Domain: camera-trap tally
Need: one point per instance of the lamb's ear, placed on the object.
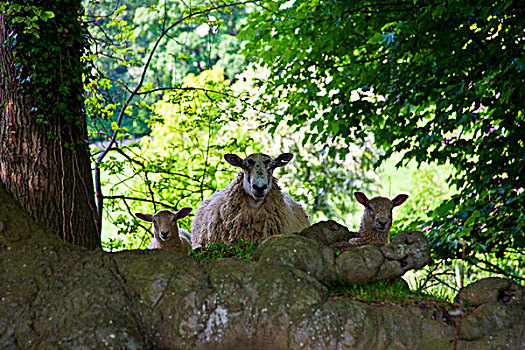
(361, 198)
(145, 217)
(400, 199)
(282, 160)
(233, 159)
(183, 212)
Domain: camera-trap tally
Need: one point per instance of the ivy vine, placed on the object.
(48, 41)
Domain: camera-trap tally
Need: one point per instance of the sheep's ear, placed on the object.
(361, 198)
(145, 217)
(282, 160)
(400, 199)
(233, 159)
(184, 212)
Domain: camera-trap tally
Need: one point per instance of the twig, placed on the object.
(494, 268)
(141, 200)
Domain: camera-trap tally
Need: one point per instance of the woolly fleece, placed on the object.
(227, 216)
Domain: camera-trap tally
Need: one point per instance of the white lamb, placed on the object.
(251, 206)
(377, 218)
(166, 232)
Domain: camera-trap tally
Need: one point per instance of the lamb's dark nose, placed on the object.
(165, 235)
(259, 188)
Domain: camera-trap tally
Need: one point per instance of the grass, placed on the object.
(242, 250)
(387, 291)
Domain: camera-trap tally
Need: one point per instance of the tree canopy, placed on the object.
(437, 81)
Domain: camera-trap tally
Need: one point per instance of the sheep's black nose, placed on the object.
(164, 235)
(260, 188)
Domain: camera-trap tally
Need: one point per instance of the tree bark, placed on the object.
(44, 156)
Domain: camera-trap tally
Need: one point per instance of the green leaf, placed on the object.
(47, 15)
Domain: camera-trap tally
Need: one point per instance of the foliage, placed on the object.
(439, 81)
(124, 34)
(325, 183)
(428, 190)
(199, 45)
(25, 13)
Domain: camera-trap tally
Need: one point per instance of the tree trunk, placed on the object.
(44, 156)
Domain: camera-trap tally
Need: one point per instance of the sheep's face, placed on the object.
(258, 171)
(165, 222)
(378, 210)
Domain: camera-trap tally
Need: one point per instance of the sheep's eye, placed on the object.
(267, 162)
(251, 162)
(370, 207)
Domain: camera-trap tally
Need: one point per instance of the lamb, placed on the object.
(377, 218)
(166, 232)
(251, 206)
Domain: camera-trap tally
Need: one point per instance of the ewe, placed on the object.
(166, 233)
(377, 218)
(251, 206)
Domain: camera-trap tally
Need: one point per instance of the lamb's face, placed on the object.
(165, 222)
(165, 225)
(378, 210)
(258, 171)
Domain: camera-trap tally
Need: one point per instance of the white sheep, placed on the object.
(251, 206)
(377, 218)
(166, 232)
